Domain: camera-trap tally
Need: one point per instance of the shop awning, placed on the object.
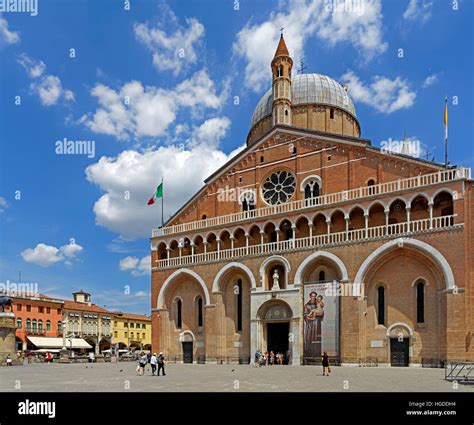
(45, 342)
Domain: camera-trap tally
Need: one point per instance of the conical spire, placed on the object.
(406, 145)
(282, 50)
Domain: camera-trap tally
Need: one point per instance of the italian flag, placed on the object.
(156, 195)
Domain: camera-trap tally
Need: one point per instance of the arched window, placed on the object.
(331, 113)
(34, 326)
(311, 188)
(40, 326)
(322, 276)
(239, 305)
(48, 325)
(248, 201)
(28, 325)
(381, 305)
(204, 216)
(59, 327)
(280, 71)
(420, 302)
(19, 323)
(371, 182)
(179, 313)
(199, 311)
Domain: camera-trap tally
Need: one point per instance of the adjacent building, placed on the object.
(311, 239)
(36, 315)
(47, 324)
(88, 321)
(131, 331)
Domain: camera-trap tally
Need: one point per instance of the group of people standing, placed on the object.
(157, 363)
(268, 358)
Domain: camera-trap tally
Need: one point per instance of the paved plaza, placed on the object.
(224, 378)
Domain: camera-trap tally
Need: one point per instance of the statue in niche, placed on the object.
(276, 280)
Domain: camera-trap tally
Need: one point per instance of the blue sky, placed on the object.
(168, 89)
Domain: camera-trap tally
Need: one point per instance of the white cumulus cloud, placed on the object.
(48, 87)
(383, 94)
(7, 36)
(210, 132)
(172, 50)
(430, 80)
(46, 255)
(256, 43)
(129, 180)
(135, 111)
(138, 267)
(418, 10)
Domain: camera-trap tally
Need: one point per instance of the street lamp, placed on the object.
(70, 338)
(63, 353)
(64, 335)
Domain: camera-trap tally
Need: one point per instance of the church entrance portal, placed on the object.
(278, 337)
(187, 352)
(399, 352)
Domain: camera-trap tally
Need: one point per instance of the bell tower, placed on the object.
(281, 74)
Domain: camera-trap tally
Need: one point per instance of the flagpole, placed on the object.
(446, 132)
(162, 202)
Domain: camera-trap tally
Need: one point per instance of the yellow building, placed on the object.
(131, 331)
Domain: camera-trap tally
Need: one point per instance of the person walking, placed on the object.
(272, 358)
(9, 360)
(142, 363)
(91, 357)
(257, 358)
(161, 364)
(326, 367)
(153, 363)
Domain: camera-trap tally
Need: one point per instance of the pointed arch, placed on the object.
(228, 267)
(427, 249)
(320, 254)
(161, 296)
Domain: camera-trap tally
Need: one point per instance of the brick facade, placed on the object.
(381, 220)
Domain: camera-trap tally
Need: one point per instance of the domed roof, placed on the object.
(308, 88)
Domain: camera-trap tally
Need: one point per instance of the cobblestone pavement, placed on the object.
(117, 377)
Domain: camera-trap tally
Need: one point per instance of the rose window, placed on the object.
(279, 187)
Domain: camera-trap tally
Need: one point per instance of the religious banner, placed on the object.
(321, 321)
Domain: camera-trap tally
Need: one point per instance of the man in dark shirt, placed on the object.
(161, 364)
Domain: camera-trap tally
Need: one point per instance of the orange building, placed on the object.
(36, 315)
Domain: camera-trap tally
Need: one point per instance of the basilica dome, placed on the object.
(308, 89)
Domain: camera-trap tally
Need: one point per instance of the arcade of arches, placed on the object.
(402, 313)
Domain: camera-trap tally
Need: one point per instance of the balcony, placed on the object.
(360, 193)
(30, 332)
(408, 228)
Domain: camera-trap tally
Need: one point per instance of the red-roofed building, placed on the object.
(36, 315)
(88, 321)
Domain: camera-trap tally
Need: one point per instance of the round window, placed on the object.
(279, 187)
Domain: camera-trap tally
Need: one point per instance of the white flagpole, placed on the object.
(162, 202)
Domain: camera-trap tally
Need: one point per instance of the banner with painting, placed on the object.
(321, 320)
